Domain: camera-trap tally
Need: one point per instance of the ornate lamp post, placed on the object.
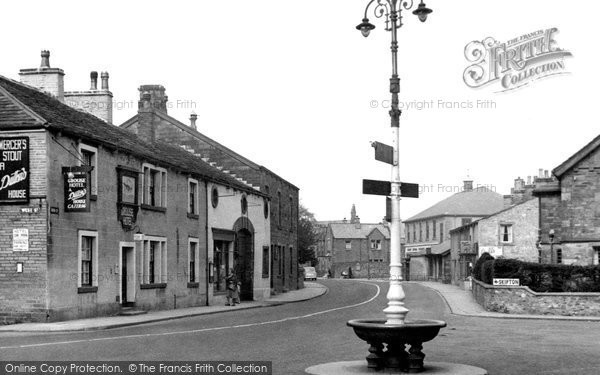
(391, 11)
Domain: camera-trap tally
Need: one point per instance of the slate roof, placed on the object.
(24, 107)
(477, 202)
(349, 230)
(577, 157)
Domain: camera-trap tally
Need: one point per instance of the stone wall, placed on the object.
(522, 300)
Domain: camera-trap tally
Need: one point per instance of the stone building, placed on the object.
(570, 209)
(363, 248)
(153, 123)
(93, 219)
(509, 233)
(427, 248)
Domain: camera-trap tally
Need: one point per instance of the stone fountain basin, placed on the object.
(411, 332)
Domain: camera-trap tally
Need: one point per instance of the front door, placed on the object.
(127, 275)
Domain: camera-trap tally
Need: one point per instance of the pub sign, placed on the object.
(77, 188)
(14, 170)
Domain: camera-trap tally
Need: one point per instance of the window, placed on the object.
(266, 208)
(265, 262)
(88, 259)
(280, 256)
(222, 263)
(291, 263)
(291, 213)
(244, 204)
(407, 236)
(465, 221)
(348, 245)
(414, 232)
(279, 208)
(154, 186)
(506, 235)
(214, 197)
(375, 244)
(192, 196)
(596, 256)
(89, 156)
(426, 231)
(559, 256)
(434, 228)
(441, 232)
(420, 232)
(193, 256)
(154, 260)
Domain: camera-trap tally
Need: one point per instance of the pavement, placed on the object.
(461, 302)
(311, 290)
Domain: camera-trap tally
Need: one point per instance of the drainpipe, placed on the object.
(206, 240)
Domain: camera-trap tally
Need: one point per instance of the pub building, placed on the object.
(94, 220)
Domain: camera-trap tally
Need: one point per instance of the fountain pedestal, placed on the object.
(388, 342)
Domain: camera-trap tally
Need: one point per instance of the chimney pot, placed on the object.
(104, 77)
(193, 118)
(45, 59)
(94, 81)
(546, 174)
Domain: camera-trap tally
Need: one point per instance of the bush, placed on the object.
(477, 268)
(487, 270)
(548, 277)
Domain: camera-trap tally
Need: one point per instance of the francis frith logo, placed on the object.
(514, 63)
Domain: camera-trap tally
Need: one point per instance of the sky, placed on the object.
(295, 87)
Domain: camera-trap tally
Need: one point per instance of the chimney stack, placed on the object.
(541, 173)
(45, 78)
(153, 97)
(45, 60)
(104, 77)
(94, 81)
(193, 118)
(528, 180)
(546, 174)
(468, 185)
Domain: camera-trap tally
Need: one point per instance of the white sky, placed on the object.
(289, 84)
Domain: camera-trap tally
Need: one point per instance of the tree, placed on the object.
(307, 237)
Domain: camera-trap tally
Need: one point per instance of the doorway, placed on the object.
(244, 263)
(127, 279)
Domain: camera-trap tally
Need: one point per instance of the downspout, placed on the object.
(206, 241)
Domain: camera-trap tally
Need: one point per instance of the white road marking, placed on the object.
(199, 330)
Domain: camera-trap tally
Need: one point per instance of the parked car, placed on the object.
(310, 273)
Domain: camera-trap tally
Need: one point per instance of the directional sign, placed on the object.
(375, 187)
(408, 190)
(383, 152)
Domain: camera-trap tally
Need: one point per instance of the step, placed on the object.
(128, 311)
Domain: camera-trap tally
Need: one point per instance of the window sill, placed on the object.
(265, 276)
(506, 244)
(193, 285)
(87, 289)
(154, 286)
(153, 208)
(193, 216)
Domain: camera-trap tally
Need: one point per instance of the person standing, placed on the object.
(233, 295)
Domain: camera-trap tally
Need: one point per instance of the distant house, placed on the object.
(363, 248)
(570, 209)
(427, 248)
(509, 233)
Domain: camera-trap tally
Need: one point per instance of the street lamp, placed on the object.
(391, 12)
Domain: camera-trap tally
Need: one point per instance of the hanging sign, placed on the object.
(14, 170)
(77, 188)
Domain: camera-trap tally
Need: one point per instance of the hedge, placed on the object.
(543, 277)
(477, 267)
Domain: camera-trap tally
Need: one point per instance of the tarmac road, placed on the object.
(297, 335)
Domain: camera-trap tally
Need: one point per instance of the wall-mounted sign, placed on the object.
(506, 282)
(77, 184)
(495, 251)
(54, 210)
(30, 210)
(20, 239)
(14, 170)
(127, 205)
